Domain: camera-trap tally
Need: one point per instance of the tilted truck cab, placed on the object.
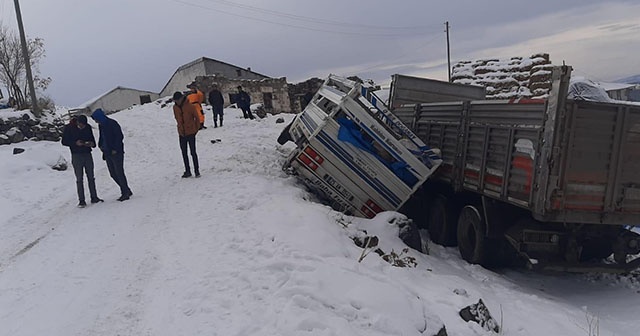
(355, 153)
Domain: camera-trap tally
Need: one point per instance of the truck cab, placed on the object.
(355, 153)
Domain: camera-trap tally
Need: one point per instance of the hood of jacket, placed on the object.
(99, 116)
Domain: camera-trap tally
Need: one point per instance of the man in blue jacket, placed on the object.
(112, 147)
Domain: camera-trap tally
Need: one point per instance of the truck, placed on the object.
(554, 182)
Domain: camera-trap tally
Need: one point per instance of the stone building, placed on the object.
(205, 66)
(297, 92)
(272, 93)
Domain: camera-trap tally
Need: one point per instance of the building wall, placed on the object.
(276, 88)
(221, 69)
(298, 91)
(120, 99)
(182, 78)
(205, 67)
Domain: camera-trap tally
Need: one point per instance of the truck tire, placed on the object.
(472, 241)
(442, 222)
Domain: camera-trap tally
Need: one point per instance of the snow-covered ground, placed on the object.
(245, 250)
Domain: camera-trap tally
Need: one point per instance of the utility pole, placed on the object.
(446, 24)
(27, 61)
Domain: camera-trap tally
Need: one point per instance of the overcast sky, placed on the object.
(95, 45)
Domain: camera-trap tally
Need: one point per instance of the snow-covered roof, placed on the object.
(95, 99)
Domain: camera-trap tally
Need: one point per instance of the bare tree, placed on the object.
(12, 65)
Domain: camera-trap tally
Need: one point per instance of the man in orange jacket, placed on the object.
(196, 97)
(188, 126)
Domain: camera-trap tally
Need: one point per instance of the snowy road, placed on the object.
(242, 251)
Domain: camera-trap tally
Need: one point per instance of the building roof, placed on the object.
(207, 59)
(95, 99)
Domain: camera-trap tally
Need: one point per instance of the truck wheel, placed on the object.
(441, 222)
(472, 242)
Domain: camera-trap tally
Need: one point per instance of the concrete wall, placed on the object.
(120, 99)
(182, 78)
(276, 88)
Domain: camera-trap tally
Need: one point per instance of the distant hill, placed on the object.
(630, 80)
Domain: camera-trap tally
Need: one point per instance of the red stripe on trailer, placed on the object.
(526, 101)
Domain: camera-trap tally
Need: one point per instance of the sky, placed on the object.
(93, 45)
(246, 250)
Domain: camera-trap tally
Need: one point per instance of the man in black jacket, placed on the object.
(79, 138)
(244, 103)
(112, 147)
(217, 104)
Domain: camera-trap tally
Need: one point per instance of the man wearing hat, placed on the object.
(188, 123)
(78, 136)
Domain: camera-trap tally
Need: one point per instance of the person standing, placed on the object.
(188, 124)
(217, 104)
(244, 103)
(112, 147)
(196, 97)
(78, 136)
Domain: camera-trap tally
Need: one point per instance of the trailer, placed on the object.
(556, 180)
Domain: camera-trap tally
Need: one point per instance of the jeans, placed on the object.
(191, 141)
(246, 112)
(83, 163)
(115, 163)
(217, 111)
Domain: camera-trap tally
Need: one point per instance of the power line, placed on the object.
(292, 25)
(412, 51)
(314, 19)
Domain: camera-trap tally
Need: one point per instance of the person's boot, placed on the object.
(186, 174)
(82, 204)
(96, 200)
(197, 173)
(215, 124)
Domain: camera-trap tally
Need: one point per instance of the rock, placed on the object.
(479, 313)
(15, 135)
(280, 120)
(18, 150)
(4, 139)
(60, 165)
(260, 112)
(442, 332)
(25, 117)
(461, 292)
